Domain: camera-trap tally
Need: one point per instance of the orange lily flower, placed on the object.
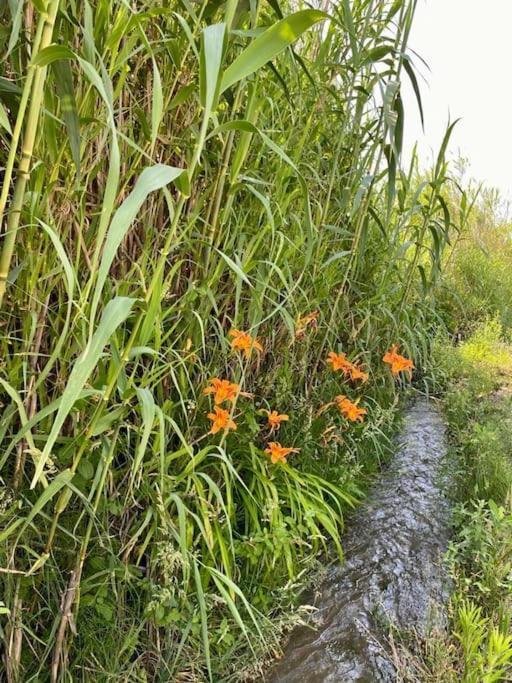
(339, 361)
(221, 419)
(350, 410)
(305, 321)
(222, 389)
(278, 453)
(274, 419)
(242, 341)
(356, 373)
(397, 362)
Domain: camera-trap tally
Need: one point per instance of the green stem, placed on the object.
(11, 158)
(47, 23)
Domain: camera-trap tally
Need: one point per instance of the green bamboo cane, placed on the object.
(16, 134)
(23, 172)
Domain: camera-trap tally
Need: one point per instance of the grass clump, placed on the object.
(486, 347)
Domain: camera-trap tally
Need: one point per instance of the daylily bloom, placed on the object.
(242, 341)
(278, 453)
(397, 362)
(221, 419)
(274, 419)
(305, 321)
(339, 361)
(222, 389)
(350, 410)
(356, 373)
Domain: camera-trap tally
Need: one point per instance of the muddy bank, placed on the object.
(393, 571)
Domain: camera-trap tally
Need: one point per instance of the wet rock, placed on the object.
(393, 573)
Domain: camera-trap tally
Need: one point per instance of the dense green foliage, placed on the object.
(476, 379)
(479, 408)
(477, 272)
(172, 171)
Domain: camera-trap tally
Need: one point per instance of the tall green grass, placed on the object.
(173, 171)
(477, 282)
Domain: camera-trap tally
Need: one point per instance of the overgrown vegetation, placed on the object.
(477, 376)
(173, 172)
(477, 276)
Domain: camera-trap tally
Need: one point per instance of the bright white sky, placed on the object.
(467, 45)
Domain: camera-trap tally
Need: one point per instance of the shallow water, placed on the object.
(393, 571)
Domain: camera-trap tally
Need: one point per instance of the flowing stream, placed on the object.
(393, 573)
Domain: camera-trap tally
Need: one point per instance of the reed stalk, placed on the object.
(35, 82)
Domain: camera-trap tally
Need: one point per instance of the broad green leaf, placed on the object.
(150, 179)
(111, 186)
(442, 149)
(147, 410)
(253, 106)
(414, 82)
(377, 53)
(265, 203)
(64, 84)
(63, 257)
(70, 285)
(235, 267)
(212, 48)
(269, 44)
(115, 313)
(51, 54)
(16, 9)
(89, 47)
(182, 96)
(40, 5)
(349, 25)
(157, 103)
(9, 87)
(335, 257)
(107, 420)
(4, 119)
(188, 34)
(48, 410)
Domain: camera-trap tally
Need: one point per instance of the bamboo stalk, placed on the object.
(27, 88)
(23, 173)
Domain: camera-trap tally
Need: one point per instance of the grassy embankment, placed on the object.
(474, 378)
(173, 172)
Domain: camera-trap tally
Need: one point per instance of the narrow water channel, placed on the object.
(393, 571)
